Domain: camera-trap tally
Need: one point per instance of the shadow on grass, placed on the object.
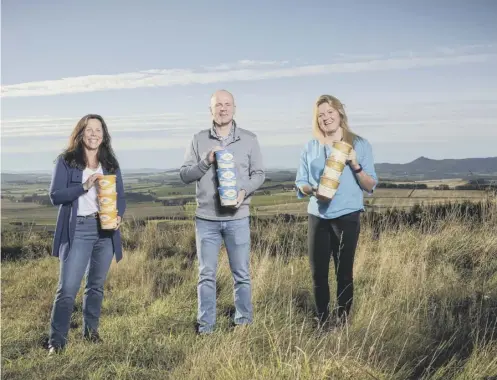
(304, 302)
(455, 329)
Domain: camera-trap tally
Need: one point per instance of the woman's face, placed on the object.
(93, 134)
(328, 118)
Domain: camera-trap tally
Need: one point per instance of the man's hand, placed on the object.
(118, 223)
(352, 160)
(240, 198)
(211, 156)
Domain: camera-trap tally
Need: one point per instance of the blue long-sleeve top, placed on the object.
(349, 196)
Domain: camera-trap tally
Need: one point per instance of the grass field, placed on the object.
(47, 215)
(425, 308)
(276, 203)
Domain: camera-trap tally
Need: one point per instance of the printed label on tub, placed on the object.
(224, 174)
(225, 164)
(105, 183)
(227, 183)
(107, 191)
(224, 155)
(106, 200)
(326, 191)
(107, 217)
(228, 193)
(331, 173)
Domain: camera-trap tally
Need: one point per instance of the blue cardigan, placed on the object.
(65, 189)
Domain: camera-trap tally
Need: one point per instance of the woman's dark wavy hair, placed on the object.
(75, 155)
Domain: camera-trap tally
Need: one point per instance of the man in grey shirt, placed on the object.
(215, 223)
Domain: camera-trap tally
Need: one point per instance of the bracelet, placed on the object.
(358, 170)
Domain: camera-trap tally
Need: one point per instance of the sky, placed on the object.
(418, 78)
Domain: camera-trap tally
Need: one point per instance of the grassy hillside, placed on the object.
(425, 308)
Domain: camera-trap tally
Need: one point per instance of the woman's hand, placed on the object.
(308, 190)
(90, 182)
(352, 160)
(118, 224)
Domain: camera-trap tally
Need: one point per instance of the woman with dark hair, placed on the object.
(334, 226)
(79, 242)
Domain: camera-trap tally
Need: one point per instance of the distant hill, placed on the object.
(34, 177)
(426, 168)
(422, 168)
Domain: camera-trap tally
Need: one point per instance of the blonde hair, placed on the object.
(348, 135)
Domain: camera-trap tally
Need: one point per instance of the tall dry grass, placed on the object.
(425, 308)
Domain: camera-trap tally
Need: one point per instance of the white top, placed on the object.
(88, 202)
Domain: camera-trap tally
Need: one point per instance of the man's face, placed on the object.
(222, 108)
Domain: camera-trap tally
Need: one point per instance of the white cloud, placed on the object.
(248, 70)
(244, 63)
(401, 120)
(52, 126)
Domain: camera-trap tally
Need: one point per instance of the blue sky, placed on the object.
(417, 77)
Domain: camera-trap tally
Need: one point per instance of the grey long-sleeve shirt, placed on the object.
(249, 170)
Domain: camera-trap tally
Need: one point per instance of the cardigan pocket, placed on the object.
(76, 176)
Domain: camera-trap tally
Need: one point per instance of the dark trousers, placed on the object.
(338, 238)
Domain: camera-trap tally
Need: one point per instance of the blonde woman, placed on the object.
(333, 226)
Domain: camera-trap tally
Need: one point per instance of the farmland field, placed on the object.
(272, 199)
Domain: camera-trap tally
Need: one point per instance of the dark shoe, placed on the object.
(202, 333)
(93, 337)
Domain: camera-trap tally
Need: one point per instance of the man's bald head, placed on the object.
(219, 94)
(222, 107)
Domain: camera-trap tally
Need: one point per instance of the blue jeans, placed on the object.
(209, 236)
(91, 254)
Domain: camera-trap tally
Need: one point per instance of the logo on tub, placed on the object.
(226, 164)
(226, 156)
(230, 193)
(227, 174)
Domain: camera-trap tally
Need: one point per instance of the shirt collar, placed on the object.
(231, 134)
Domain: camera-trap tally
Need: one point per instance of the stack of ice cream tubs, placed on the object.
(226, 175)
(335, 164)
(107, 201)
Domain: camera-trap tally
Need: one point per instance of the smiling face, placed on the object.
(93, 134)
(222, 108)
(329, 118)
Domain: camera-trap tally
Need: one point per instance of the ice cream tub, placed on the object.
(331, 173)
(339, 156)
(106, 201)
(228, 195)
(224, 155)
(111, 207)
(108, 220)
(335, 165)
(333, 169)
(226, 174)
(225, 164)
(107, 182)
(227, 183)
(342, 146)
(328, 187)
(340, 151)
(106, 191)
